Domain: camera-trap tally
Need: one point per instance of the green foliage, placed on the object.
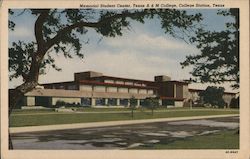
(226, 139)
(213, 95)
(151, 103)
(132, 105)
(60, 103)
(60, 30)
(132, 102)
(219, 58)
(20, 58)
(235, 103)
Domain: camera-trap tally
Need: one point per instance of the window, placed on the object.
(100, 101)
(112, 101)
(85, 101)
(124, 102)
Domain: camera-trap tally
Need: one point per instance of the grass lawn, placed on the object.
(88, 109)
(68, 118)
(222, 140)
(31, 111)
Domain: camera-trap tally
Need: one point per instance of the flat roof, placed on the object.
(121, 78)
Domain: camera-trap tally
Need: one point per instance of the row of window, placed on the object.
(110, 102)
(101, 102)
(115, 89)
(124, 82)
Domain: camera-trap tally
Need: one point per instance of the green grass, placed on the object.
(68, 118)
(222, 140)
(31, 111)
(88, 109)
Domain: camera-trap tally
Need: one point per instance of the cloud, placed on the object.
(121, 64)
(21, 32)
(146, 42)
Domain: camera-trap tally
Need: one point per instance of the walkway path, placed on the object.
(107, 123)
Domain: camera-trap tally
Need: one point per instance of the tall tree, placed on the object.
(60, 30)
(56, 30)
(218, 61)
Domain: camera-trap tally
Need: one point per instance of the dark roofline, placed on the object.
(179, 82)
(121, 78)
(67, 82)
(115, 84)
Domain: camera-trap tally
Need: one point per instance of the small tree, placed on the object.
(151, 103)
(213, 96)
(234, 103)
(132, 105)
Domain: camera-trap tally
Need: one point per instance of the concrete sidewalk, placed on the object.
(107, 123)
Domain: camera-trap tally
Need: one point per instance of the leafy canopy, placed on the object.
(60, 31)
(213, 96)
(218, 61)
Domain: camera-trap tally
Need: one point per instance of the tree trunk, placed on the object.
(15, 96)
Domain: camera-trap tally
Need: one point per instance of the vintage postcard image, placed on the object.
(126, 79)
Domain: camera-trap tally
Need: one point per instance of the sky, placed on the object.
(142, 52)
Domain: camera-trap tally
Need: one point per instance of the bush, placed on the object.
(60, 103)
(213, 96)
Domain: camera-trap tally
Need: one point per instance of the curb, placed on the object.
(107, 123)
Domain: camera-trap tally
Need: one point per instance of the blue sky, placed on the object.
(141, 53)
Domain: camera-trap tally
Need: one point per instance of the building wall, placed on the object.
(142, 91)
(86, 88)
(228, 97)
(119, 82)
(133, 90)
(72, 87)
(30, 101)
(123, 90)
(150, 91)
(128, 83)
(99, 89)
(112, 89)
(178, 103)
(185, 91)
(166, 89)
(179, 91)
(109, 81)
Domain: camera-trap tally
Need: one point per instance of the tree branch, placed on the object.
(39, 28)
(98, 24)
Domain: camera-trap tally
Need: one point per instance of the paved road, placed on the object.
(122, 137)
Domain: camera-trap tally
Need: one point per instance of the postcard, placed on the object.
(125, 79)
